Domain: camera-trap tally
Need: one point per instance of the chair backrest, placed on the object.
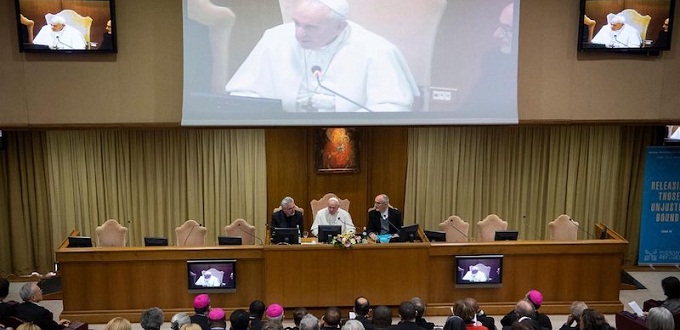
(241, 228)
(411, 26)
(590, 26)
(297, 208)
(488, 227)
(456, 229)
(217, 273)
(75, 20)
(322, 202)
(190, 233)
(484, 269)
(634, 19)
(562, 229)
(111, 233)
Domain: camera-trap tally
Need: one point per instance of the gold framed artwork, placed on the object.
(337, 150)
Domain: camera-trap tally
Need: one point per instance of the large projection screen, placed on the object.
(365, 62)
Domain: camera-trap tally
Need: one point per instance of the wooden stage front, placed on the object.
(101, 283)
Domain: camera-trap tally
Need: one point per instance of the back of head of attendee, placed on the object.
(118, 323)
(272, 325)
(309, 322)
(593, 320)
(420, 314)
(30, 326)
(535, 297)
(256, 309)
(218, 319)
(454, 322)
(298, 314)
(660, 318)
(151, 319)
(178, 320)
(482, 318)
(353, 325)
(275, 313)
(331, 319)
(382, 317)
(407, 311)
(201, 308)
(361, 306)
(465, 311)
(577, 308)
(524, 308)
(239, 320)
(4, 288)
(671, 287)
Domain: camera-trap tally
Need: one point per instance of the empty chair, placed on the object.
(322, 202)
(563, 228)
(190, 234)
(241, 228)
(456, 229)
(487, 228)
(111, 233)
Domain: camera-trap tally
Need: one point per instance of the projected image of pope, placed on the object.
(309, 62)
(475, 275)
(207, 279)
(58, 35)
(618, 34)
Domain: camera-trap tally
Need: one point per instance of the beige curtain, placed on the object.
(528, 176)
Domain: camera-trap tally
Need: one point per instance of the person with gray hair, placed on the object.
(660, 318)
(58, 35)
(577, 308)
(353, 325)
(151, 319)
(309, 322)
(618, 34)
(30, 311)
(288, 216)
(383, 219)
(333, 215)
(178, 320)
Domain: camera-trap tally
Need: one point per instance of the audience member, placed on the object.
(420, 312)
(331, 319)
(535, 298)
(28, 326)
(454, 322)
(663, 40)
(272, 325)
(298, 314)
(660, 318)
(480, 317)
(30, 311)
(353, 325)
(523, 313)
(407, 312)
(466, 312)
(332, 215)
(6, 309)
(256, 311)
(383, 220)
(178, 320)
(382, 318)
(151, 319)
(309, 322)
(218, 319)
(362, 308)
(107, 38)
(593, 320)
(119, 323)
(201, 308)
(577, 308)
(275, 313)
(239, 320)
(288, 216)
(671, 289)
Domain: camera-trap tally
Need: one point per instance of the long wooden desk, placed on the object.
(101, 283)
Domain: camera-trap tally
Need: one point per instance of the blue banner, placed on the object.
(660, 218)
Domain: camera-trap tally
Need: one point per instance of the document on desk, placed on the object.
(636, 308)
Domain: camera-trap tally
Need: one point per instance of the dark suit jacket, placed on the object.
(406, 326)
(37, 314)
(280, 220)
(201, 320)
(8, 308)
(368, 324)
(393, 215)
(487, 321)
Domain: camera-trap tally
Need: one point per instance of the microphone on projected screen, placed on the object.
(316, 71)
(581, 228)
(61, 42)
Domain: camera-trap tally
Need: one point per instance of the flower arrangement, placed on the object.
(346, 240)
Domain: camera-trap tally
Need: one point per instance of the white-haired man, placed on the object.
(58, 35)
(333, 215)
(288, 216)
(618, 34)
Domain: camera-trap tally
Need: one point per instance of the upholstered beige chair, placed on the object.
(634, 19)
(241, 228)
(562, 229)
(75, 20)
(321, 203)
(190, 234)
(456, 229)
(111, 233)
(487, 228)
(590, 26)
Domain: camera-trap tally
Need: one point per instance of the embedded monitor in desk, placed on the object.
(79, 241)
(327, 232)
(155, 241)
(506, 235)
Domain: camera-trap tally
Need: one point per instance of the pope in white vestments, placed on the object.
(58, 35)
(346, 58)
(333, 215)
(618, 34)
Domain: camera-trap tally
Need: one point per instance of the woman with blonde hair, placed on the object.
(118, 323)
(28, 326)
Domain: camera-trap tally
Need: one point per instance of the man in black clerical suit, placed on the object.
(361, 308)
(407, 312)
(383, 219)
(6, 309)
(30, 311)
(288, 216)
(420, 314)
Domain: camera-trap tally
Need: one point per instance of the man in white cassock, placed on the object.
(58, 35)
(321, 47)
(618, 34)
(475, 275)
(333, 215)
(207, 279)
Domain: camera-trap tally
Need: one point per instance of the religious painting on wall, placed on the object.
(337, 150)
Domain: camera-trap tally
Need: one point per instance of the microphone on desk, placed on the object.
(316, 71)
(530, 229)
(245, 231)
(582, 229)
(458, 230)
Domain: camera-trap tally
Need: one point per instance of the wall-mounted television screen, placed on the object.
(56, 26)
(625, 25)
(205, 276)
(479, 270)
(424, 62)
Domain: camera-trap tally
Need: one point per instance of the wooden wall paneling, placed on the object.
(388, 159)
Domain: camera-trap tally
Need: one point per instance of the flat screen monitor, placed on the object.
(55, 26)
(229, 240)
(327, 232)
(479, 271)
(643, 27)
(208, 276)
(505, 235)
(407, 234)
(155, 241)
(435, 235)
(79, 241)
(285, 236)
